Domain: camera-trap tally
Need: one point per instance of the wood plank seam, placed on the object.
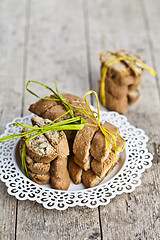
(86, 27)
(26, 37)
(25, 56)
(15, 232)
(100, 223)
(146, 24)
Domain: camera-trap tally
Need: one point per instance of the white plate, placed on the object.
(123, 178)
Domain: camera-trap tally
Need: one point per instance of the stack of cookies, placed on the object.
(121, 82)
(92, 160)
(46, 156)
(51, 110)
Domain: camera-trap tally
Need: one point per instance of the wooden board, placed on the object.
(60, 40)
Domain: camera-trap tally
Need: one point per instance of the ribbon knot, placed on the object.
(76, 123)
(110, 143)
(117, 57)
(58, 96)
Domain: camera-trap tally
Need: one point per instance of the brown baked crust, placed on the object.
(53, 109)
(57, 139)
(135, 85)
(55, 112)
(83, 165)
(89, 179)
(121, 82)
(72, 98)
(38, 178)
(117, 91)
(115, 104)
(41, 106)
(39, 149)
(60, 178)
(82, 142)
(101, 169)
(120, 70)
(98, 146)
(133, 96)
(46, 108)
(75, 172)
(38, 168)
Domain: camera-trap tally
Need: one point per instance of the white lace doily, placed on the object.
(123, 178)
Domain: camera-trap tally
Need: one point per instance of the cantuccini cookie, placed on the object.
(39, 148)
(39, 178)
(60, 178)
(57, 139)
(82, 142)
(120, 82)
(75, 172)
(98, 146)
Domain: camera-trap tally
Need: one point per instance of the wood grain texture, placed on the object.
(135, 215)
(56, 49)
(12, 28)
(47, 40)
(150, 12)
(40, 223)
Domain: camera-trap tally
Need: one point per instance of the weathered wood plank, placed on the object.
(135, 215)
(56, 50)
(57, 47)
(150, 12)
(40, 223)
(12, 28)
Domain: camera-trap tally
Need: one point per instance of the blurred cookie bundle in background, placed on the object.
(119, 82)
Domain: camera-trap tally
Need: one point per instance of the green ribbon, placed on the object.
(68, 124)
(58, 96)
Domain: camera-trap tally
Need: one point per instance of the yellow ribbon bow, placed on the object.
(135, 62)
(96, 122)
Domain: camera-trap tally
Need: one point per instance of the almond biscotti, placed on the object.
(34, 167)
(120, 83)
(57, 139)
(98, 146)
(41, 179)
(50, 147)
(37, 168)
(101, 168)
(39, 148)
(84, 165)
(92, 160)
(42, 105)
(53, 109)
(60, 178)
(75, 171)
(90, 179)
(98, 171)
(82, 142)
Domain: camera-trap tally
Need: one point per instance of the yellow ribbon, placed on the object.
(96, 122)
(135, 62)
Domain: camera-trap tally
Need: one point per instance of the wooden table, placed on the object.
(47, 40)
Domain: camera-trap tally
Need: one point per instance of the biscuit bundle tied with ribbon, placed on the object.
(120, 77)
(96, 149)
(44, 149)
(44, 146)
